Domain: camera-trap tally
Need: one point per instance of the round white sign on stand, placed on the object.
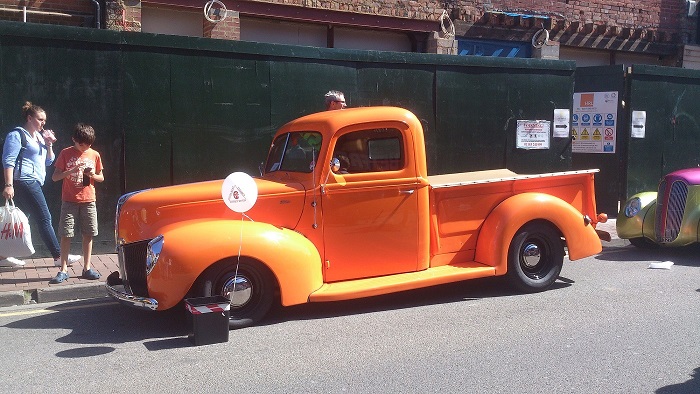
(239, 191)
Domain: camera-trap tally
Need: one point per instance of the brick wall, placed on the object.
(623, 13)
(414, 9)
(227, 29)
(659, 20)
(122, 16)
(132, 15)
(653, 20)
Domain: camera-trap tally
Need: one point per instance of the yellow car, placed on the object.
(669, 217)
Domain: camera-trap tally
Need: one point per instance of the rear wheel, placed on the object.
(250, 290)
(535, 257)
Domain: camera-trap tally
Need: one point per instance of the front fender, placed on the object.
(503, 222)
(641, 223)
(190, 248)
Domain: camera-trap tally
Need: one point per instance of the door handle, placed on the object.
(409, 192)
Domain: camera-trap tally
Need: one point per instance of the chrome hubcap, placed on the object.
(531, 255)
(238, 290)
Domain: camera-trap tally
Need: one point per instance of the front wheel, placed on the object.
(643, 243)
(250, 290)
(535, 257)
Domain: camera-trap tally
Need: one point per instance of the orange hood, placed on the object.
(144, 214)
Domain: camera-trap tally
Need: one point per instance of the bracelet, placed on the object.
(8, 185)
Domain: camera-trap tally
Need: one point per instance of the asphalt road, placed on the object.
(610, 325)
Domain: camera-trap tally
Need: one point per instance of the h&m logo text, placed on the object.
(12, 231)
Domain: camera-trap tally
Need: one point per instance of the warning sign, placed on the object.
(585, 135)
(596, 132)
(609, 134)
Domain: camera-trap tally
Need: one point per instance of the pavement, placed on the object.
(30, 284)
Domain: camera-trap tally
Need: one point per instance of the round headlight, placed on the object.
(633, 207)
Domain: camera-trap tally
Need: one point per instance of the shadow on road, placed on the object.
(469, 290)
(690, 386)
(104, 322)
(686, 256)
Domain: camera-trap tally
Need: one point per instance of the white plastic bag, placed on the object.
(664, 265)
(15, 235)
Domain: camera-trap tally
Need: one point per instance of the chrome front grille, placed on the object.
(672, 209)
(660, 204)
(132, 257)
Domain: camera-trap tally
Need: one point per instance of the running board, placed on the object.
(369, 287)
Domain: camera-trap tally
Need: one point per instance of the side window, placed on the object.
(370, 150)
(296, 152)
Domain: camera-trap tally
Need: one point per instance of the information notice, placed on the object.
(594, 122)
(533, 134)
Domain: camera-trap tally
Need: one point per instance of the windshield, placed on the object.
(296, 152)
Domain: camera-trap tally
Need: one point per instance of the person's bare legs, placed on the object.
(65, 249)
(63, 273)
(87, 251)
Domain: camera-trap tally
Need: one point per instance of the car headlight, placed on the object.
(153, 252)
(633, 206)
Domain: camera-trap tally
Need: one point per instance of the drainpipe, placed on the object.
(98, 14)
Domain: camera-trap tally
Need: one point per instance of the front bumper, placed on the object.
(115, 288)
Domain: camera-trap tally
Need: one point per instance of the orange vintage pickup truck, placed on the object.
(367, 220)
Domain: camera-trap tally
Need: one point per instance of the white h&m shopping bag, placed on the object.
(15, 235)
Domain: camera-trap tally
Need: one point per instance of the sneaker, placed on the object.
(11, 262)
(91, 274)
(60, 277)
(72, 258)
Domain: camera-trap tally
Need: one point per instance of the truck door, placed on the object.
(370, 206)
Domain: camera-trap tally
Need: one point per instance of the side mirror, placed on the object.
(335, 164)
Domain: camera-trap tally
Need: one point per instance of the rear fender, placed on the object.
(190, 248)
(503, 222)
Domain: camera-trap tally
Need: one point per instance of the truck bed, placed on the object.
(458, 203)
(490, 176)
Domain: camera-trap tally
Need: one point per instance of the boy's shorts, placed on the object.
(84, 212)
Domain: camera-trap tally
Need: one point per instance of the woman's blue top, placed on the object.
(34, 159)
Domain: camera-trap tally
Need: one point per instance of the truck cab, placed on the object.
(367, 192)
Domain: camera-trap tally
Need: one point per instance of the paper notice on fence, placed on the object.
(533, 134)
(561, 123)
(639, 123)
